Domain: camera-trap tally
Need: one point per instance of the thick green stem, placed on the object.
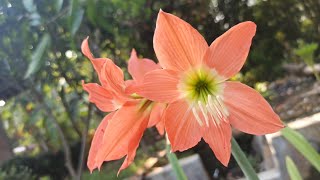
(242, 161)
(175, 164)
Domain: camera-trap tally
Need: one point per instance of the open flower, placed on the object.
(120, 132)
(202, 104)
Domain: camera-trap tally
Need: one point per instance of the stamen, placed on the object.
(213, 110)
(223, 107)
(204, 112)
(194, 110)
(217, 107)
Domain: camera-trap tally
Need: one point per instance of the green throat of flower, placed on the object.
(198, 83)
(201, 87)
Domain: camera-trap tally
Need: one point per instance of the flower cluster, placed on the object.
(187, 94)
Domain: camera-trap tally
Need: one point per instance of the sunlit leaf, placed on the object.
(29, 5)
(302, 145)
(77, 21)
(292, 169)
(58, 5)
(37, 60)
(76, 16)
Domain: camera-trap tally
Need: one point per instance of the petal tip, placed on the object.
(133, 53)
(85, 48)
(251, 26)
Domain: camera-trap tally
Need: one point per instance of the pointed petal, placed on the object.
(96, 62)
(101, 97)
(156, 113)
(114, 76)
(218, 137)
(139, 67)
(96, 142)
(133, 145)
(249, 111)
(160, 86)
(123, 132)
(177, 44)
(182, 128)
(85, 48)
(228, 53)
(160, 127)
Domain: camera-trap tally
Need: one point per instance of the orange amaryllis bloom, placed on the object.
(120, 131)
(202, 104)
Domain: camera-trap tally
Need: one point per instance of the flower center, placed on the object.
(198, 83)
(202, 88)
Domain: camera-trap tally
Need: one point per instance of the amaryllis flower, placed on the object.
(119, 133)
(202, 104)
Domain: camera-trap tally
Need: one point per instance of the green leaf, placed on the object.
(175, 164)
(36, 59)
(76, 16)
(29, 5)
(77, 21)
(91, 11)
(302, 145)
(243, 161)
(292, 169)
(58, 5)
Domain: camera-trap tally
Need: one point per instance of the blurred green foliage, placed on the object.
(41, 64)
(307, 53)
(16, 173)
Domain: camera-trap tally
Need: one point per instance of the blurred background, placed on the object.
(47, 122)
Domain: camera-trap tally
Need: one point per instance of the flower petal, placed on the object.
(139, 67)
(160, 127)
(96, 62)
(228, 52)
(123, 132)
(101, 97)
(115, 78)
(160, 86)
(133, 145)
(177, 44)
(183, 129)
(218, 137)
(156, 114)
(96, 142)
(249, 111)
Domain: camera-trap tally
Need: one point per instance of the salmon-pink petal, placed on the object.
(85, 49)
(160, 86)
(133, 145)
(218, 136)
(181, 126)
(249, 111)
(156, 114)
(115, 78)
(132, 87)
(177, 44)
(101, 97)
(160, 127)
(139, 67)
(96, 142)
(123, 132)
(228, 53)
(96, 62)
(129, 82)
